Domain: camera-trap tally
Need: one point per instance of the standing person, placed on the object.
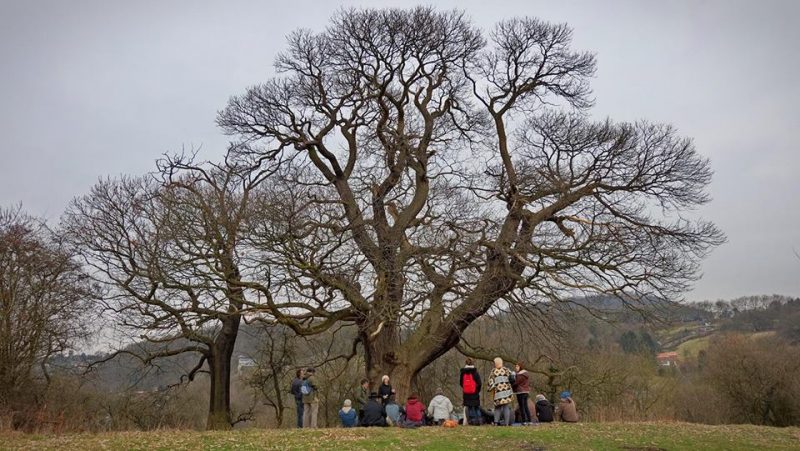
(470, 382)
(502, 393)
(297, 384)
(374, 413)
(567, 411)
(310, 399)
(415, 411)
(522, 390)
(385, 390)
(362, 396)
(347, 415)
(440, 407)
(544, 410)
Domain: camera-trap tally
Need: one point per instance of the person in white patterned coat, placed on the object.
(502, 393)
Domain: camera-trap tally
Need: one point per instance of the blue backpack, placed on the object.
(306, 388)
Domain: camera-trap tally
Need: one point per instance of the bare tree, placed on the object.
(43, 298)
(443, 173)
(272, 374)
(168, 250)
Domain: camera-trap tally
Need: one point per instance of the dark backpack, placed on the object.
(470, 387)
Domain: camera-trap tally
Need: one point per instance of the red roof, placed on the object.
(667, 356)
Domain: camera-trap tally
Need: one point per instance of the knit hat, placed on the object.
(348, 403)
(565, 394)
(540, 398)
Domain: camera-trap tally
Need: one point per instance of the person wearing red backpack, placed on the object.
(470, 382)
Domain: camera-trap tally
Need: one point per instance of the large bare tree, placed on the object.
(44, 296)
(167, 247)
(440, 171)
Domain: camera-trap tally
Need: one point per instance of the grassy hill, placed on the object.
(601, 436)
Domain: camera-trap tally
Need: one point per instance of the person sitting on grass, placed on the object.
(393, 412)
(374, 413)
(544, 410)
(347, 415)
(415, 412)
(440, 407)
(566, 410)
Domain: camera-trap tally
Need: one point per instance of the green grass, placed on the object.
(692, 347)
(599, 436)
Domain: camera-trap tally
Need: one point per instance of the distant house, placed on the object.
(667, 359)
(245, 364)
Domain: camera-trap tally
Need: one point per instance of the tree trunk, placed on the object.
(219, 362)
(384, 355)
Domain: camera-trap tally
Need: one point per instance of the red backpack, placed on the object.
(469, 384)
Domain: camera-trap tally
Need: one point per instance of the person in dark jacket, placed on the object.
(471, 392)
(297, 384)
(374, 413)
(522, 389)
(544, 410)
(385, 390)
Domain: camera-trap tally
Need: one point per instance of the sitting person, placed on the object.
(374, 413)
(393, 412)
(347, 415)
(566, 410)
(544, 410)
(415, 412)
(440, 407)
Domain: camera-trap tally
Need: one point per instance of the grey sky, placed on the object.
(94, 88)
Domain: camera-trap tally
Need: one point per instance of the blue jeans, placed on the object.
(299, 404)
(474, 414)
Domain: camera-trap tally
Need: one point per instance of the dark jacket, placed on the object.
(385, 392)
(374, 414)
(544, 411)
(295, 390)
(474, 399)
(521, 383)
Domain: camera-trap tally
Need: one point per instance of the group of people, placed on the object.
(505, 386)
(379, 408)
(305, 389)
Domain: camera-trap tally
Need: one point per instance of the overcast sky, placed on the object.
(95, 88)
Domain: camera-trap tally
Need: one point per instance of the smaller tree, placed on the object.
(273, 359)
(43, 298)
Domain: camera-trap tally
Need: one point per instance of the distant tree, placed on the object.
(444, 172)
(759, 376)
(44, 297)
(642, 342)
